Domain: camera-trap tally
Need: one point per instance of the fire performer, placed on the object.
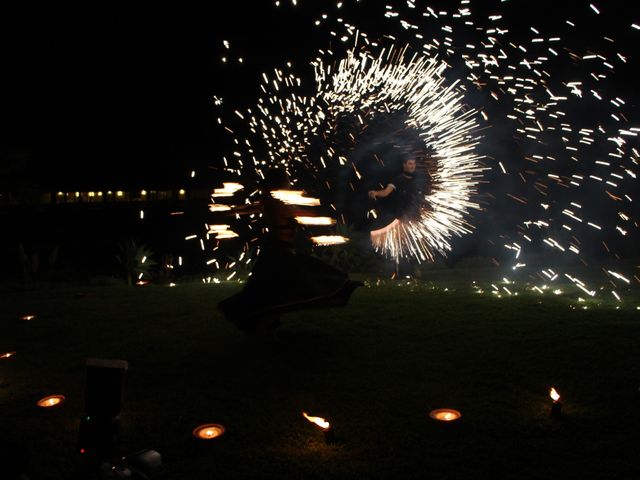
(282, 279)
(404, 203)
(402, 189)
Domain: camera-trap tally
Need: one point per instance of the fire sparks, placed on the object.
(547, 98)
(325, 240)
(315, 221)
(222, 232)
(375, 85)
(228, 189)
(295, 197)
(217, 207)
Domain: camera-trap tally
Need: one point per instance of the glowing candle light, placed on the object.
(27, 318)
(445, 414)
(323, 425)
(208, 431)
(556, 406)
(51, 401)
(7, 354)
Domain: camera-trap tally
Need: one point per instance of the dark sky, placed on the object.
(103, 93)
(106, 94)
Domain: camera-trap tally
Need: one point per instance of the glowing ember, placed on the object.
(555, 396)
(445, 415)
(221, 232)
(295, 197)
(228, 189)
(7, 355)
(51, 401)
(320, 422)
(226, 235)
(27, 318)
(325, 240)
(208, 431)
(142, 283)
(315, 220)
(218, 207)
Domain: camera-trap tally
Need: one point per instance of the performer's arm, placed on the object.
(385, 192)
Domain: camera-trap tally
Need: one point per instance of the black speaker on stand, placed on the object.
(104, 395)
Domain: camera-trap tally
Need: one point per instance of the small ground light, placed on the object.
(51, 401)
(445, 415)
(323, 425)
(556, 406)
(208, 431)
(28, 317)
(7, 354)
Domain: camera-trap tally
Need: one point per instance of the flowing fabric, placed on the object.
(283, 280)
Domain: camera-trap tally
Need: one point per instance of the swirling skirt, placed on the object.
(283, 281)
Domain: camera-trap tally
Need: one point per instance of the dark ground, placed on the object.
(374, 369)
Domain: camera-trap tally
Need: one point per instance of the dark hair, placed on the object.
(275, 179)
(408, 160)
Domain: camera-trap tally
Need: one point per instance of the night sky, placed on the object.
(102, 96)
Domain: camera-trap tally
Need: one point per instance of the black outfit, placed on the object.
(283, 280)
(401, 203)
(404, 196)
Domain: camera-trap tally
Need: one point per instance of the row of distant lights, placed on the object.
(119, 193)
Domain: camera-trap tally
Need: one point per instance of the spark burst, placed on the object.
(533, 81)
(388, 83)
(363, 86)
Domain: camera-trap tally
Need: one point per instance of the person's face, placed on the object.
(409, 166)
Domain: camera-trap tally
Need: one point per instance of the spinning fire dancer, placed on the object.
(401, 189)
(282, 279)
(405, 198)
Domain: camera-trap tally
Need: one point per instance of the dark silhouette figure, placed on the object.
(282, 279)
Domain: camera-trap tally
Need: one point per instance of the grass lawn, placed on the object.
(374, 369)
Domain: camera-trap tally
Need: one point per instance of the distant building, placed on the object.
(32, 196)
(22, 184)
